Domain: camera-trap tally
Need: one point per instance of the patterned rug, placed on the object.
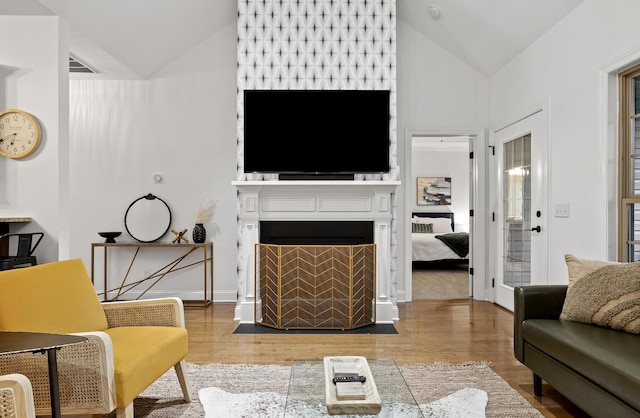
(428, 382)
(465, 403)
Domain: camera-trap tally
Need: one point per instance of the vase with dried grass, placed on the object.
(205, 210)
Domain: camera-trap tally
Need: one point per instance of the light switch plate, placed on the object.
(562, 210)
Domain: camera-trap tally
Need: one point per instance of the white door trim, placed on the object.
(481, 284)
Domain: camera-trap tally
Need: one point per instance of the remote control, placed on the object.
(341, 379)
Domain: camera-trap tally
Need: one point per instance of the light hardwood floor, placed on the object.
(428, 331)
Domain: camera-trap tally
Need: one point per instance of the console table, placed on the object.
(171, 267)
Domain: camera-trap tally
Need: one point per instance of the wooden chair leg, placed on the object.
(537, 385)
(126, 412)
(181, 371)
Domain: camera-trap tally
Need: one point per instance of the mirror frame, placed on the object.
(153, 235)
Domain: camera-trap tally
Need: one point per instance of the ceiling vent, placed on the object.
(77, 67)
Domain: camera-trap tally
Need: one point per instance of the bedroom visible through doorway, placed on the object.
(440, 217)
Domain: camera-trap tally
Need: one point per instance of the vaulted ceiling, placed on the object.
(136, 38)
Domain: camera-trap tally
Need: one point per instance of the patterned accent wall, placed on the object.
(317, 45)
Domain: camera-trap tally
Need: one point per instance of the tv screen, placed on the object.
(316, 131)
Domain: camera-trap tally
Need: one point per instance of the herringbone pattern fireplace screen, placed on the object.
(315, 286)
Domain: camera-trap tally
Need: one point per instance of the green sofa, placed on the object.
(597, 368)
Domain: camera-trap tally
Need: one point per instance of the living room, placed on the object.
(106, 136)
(450, 94)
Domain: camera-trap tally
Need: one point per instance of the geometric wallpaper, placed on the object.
(319, 45)
(316, 45)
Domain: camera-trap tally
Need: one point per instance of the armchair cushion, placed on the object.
(139, 361)
(66, 300)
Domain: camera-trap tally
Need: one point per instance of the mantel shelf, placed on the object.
(337, 183)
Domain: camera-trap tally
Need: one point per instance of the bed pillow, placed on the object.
(440, 225)
(608, 297)
(578, 267)
(422, 228)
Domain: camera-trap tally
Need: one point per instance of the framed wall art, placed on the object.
(434, 191)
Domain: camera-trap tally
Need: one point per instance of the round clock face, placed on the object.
(20, 133)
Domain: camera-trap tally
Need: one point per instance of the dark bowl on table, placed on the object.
(110, 236)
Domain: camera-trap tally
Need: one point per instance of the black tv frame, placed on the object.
(354, 114)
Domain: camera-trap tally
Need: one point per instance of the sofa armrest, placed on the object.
(536, 301)
(85, 376)
(166, 312)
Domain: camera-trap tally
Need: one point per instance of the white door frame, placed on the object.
(543, 170)
(480, 185)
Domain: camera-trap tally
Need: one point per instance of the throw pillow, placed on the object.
(422, 228)
(578, 267)
(608, 297)
(440, 225)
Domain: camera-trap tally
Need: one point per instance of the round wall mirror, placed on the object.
(148, 218)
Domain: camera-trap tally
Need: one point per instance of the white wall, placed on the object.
(439, 163)
(435, 89)
(564, 66)
(35, 80)
(437, 93)
(181, 123)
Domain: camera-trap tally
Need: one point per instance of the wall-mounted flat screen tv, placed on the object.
(316, 132)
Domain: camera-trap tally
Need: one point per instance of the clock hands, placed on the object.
(13, 134)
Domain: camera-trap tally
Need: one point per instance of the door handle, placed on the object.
(537, 228)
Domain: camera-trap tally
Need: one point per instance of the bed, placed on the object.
(433, 238)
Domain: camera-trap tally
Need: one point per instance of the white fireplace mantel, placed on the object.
(303, 200)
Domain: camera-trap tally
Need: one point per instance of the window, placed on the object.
(629, 165)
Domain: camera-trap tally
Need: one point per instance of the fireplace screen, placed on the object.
(315, 286)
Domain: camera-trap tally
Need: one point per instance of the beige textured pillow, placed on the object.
(608, 296)
(578, 267)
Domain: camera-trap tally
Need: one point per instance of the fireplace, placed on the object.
(316, 232)
(315, 286)
(317, 213)
(315, 274)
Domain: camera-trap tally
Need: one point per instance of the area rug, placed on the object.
(367, 329)
(440, 283)
(217, 403)
(429, 384)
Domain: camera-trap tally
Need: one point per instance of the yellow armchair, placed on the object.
(131, 343)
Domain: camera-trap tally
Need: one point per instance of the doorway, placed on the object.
(440, 167)
(457, 156)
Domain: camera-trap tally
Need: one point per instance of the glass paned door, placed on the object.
(516, 260)
(521, 207)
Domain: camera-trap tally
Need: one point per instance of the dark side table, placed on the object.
(12, 342)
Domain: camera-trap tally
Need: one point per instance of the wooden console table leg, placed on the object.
(104, 266)
(204, 269)
(211, 273)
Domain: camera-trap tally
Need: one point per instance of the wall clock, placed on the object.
(20, 133)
